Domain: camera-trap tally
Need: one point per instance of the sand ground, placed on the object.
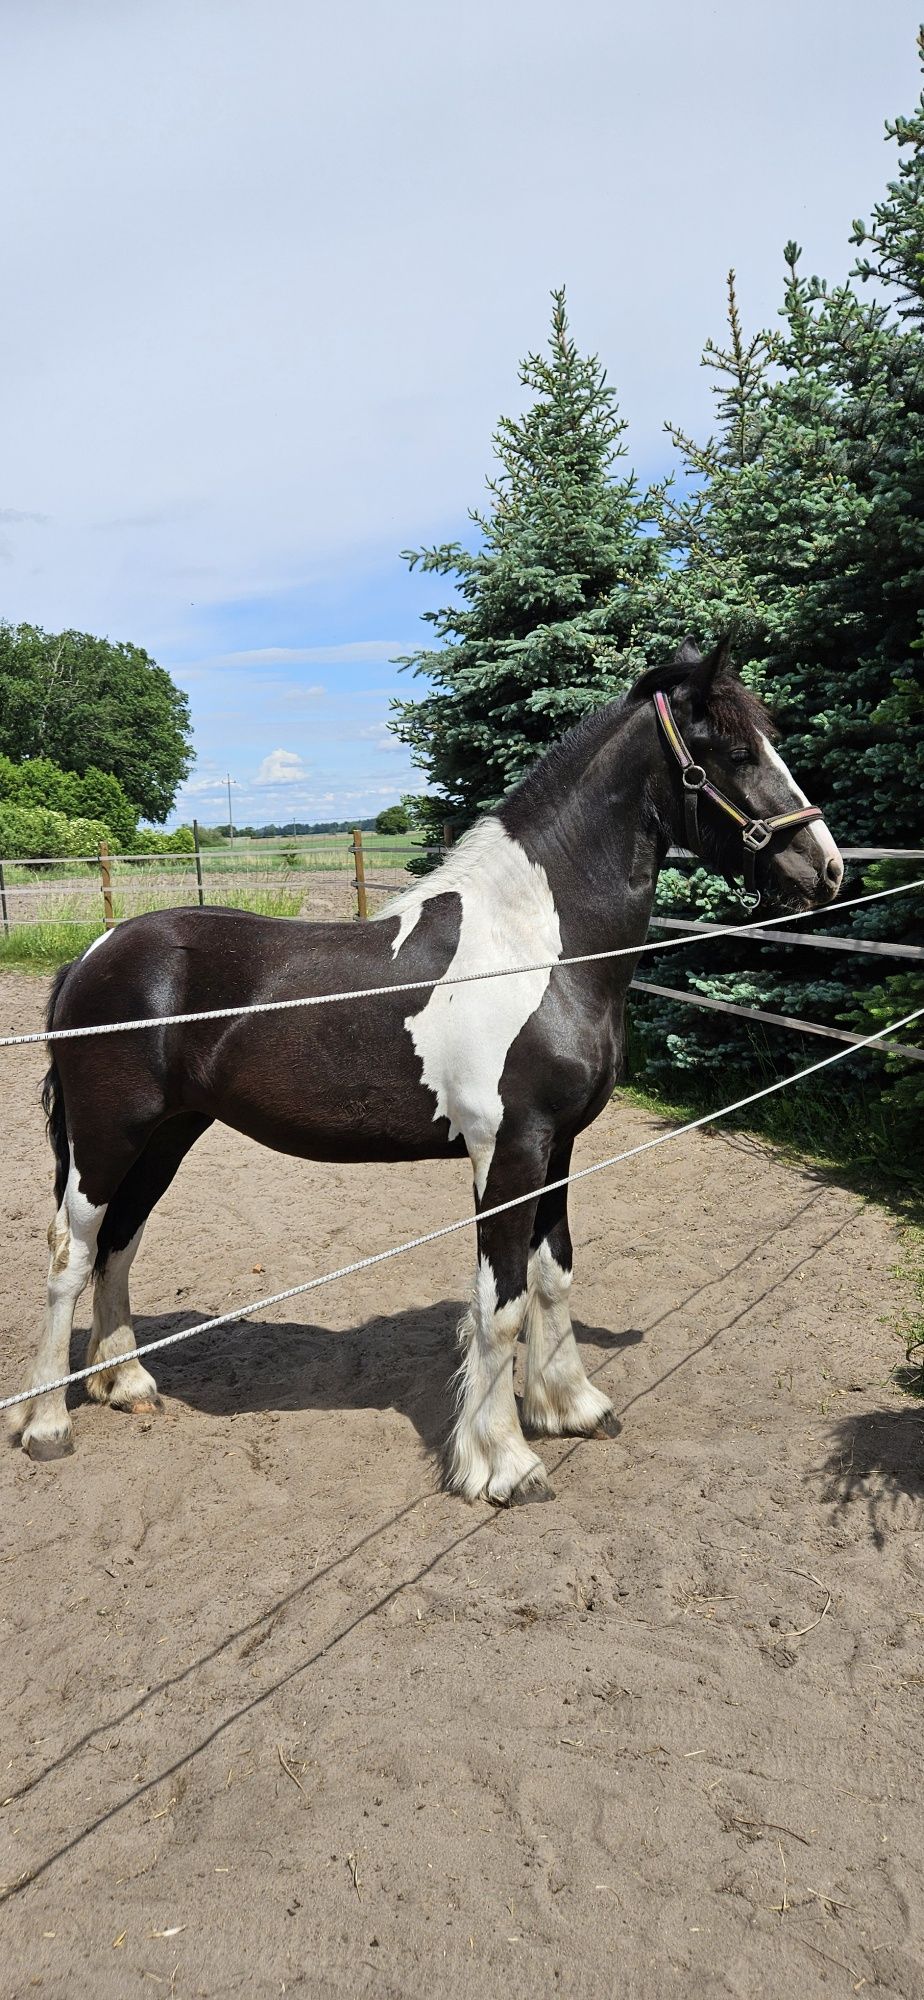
(278, 1716)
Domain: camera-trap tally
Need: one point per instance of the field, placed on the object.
(52, 913)
(280, 1716)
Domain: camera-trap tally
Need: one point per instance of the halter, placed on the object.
(756, 834)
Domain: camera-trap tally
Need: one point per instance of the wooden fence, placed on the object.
(354, 852)
(813, 940)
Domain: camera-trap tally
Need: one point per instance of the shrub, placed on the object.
(153, 840)
(36, 833)
(38, 783)
(393, 820)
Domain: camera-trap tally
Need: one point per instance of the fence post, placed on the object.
(106, 884)
(447, 833)
(3, 909)
(360, 882)
(198, 852)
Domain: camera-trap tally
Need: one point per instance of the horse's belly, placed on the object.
(329, 1096)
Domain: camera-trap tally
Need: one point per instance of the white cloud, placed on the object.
(196, 786)
(353, 652)
(380, 735)
(281, 767)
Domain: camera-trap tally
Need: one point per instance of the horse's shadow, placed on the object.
(402, 1361)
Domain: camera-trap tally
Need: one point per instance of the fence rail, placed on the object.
(696, 925)
(790, 1021)
(201, 867)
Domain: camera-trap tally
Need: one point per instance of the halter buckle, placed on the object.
(757, 835)
(693, 778)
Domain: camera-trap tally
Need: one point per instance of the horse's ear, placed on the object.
(716, 666)
(686, 664)
(687, 654)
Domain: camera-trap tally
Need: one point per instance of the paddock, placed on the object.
(278, 1715)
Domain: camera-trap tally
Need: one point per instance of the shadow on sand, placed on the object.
(402, 1361)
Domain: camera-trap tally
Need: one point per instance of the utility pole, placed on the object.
(230, 820)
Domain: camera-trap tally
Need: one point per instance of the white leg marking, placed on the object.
(129, 1387)
(557, 1399)
(488, 1452)
(46, 1427)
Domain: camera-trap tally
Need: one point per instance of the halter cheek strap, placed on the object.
(756, 834)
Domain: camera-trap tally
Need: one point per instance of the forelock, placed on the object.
(736, 712)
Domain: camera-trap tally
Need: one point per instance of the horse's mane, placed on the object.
(735, 712)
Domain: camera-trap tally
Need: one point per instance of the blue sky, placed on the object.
(269, 272)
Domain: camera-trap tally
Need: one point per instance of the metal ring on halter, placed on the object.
(750, 898)
(757, 836)
(694, 778)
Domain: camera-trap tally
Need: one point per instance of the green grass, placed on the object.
(264, 902)
(43, 947)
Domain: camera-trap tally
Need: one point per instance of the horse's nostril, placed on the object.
(834, 872)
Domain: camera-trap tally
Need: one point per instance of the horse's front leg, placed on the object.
(488, 1453)
(557, 1399)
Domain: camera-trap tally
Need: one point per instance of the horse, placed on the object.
(507, 1070)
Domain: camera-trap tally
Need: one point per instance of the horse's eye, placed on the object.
(741, 755)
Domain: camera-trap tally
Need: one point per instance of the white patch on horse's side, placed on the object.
(94, 942)
(817, 827)
(464, 1033)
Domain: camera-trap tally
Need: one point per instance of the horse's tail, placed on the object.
(53, 1099)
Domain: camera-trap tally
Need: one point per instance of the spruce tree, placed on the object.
(801, 529)
(523, 650)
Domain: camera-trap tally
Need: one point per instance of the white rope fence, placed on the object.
(462, 979)
(450, 1228)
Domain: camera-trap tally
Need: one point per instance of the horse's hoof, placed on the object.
(527, 1491)
(533, 1486)
(608, 1427)
(143, 1406)
(55, 1446)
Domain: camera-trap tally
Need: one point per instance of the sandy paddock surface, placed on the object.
(280, 1717)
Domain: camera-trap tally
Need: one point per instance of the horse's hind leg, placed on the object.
(46, 1430)
(557, 1398)
(129, 1386)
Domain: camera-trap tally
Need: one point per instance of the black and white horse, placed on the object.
(507, 1071)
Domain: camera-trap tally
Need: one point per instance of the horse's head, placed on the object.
(735, 803)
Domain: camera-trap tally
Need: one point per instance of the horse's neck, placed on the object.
(597, 827)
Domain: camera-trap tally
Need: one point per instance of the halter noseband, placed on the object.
(756, 834)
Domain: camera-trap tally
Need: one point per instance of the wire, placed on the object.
(450, 1228)
(416, 985)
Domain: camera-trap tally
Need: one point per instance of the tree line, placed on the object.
(797, 527)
